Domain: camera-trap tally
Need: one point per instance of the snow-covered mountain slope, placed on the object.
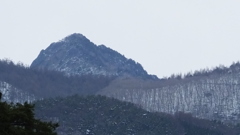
(12, 94)
(213, 95)
(77, 55)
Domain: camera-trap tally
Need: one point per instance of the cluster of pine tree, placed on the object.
(18, 119)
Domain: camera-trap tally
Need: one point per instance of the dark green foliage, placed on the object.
(98, 115)
(18, 119)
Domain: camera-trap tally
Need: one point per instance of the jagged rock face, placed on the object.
(76, 55)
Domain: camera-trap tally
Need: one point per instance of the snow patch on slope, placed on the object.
(12, 94)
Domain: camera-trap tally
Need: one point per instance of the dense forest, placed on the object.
(99, 115)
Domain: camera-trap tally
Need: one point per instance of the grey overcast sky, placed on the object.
(165, 36)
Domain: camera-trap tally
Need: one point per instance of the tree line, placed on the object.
(44, 83)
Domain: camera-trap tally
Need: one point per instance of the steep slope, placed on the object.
(77, 55)
(213, 94)
(97, 115)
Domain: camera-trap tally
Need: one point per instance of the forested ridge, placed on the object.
(99, 115)
(45, 83)
(208, 94)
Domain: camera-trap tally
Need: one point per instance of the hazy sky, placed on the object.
(165, 36)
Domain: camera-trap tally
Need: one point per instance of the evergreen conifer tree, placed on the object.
(18, 119)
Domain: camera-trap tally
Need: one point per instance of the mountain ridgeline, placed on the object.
(77, 55)
(207, 94)
(19, 83)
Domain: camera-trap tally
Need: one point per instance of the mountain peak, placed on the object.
(75, 36)
(75, 39)
(77, 55)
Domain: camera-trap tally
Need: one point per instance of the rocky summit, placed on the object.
(77, 55)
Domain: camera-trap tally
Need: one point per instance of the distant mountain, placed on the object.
(77, 55)
(98, 115)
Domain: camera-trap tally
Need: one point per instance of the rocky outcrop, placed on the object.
(77, 55)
